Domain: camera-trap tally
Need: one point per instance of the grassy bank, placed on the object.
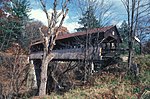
(112, 85)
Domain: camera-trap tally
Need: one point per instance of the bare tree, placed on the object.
(95, 13)
(136, 9)
(102, 11)
(32, 30)
(143, 30)
(49, 38)
(15, 71)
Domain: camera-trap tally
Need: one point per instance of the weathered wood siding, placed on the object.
(70, 54)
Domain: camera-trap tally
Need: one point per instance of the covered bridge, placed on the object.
(92, 45)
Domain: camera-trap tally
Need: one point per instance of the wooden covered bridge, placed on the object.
(93, 45)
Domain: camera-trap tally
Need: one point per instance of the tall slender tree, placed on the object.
(94, 14)
(136, 9)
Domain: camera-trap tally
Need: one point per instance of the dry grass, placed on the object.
(106, 85)
(111, 86)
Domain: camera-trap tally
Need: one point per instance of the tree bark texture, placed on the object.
(50, 38)
(47, 57)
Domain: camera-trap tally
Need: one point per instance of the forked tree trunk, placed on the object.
(50, 38)
(47, 57)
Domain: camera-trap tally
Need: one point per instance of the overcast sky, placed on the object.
(72, 17)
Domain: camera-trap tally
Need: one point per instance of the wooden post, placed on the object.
(92, 68)
(31, 81)
(100, 54)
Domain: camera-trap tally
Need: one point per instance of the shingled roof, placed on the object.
(69, 35)
(89, 31)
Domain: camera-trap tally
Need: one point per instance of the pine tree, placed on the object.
(20, 9)
(13, 24)
(123, 30)
(88, 20)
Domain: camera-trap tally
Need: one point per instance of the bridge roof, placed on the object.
(89, 31)
(69, 35)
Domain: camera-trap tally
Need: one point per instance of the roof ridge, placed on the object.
(96, 28)
(100, 29)
(64, 36)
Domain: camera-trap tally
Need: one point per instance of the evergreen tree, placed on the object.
(20, 9)
(88, 20)
(13, 24)
(123, 30)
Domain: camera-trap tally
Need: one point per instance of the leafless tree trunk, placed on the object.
(135, 9)
(50, 37)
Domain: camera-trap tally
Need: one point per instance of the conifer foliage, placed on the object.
(13, 19)
(123, 30)
(88, 19)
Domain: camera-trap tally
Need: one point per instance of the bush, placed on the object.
(146, 48)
